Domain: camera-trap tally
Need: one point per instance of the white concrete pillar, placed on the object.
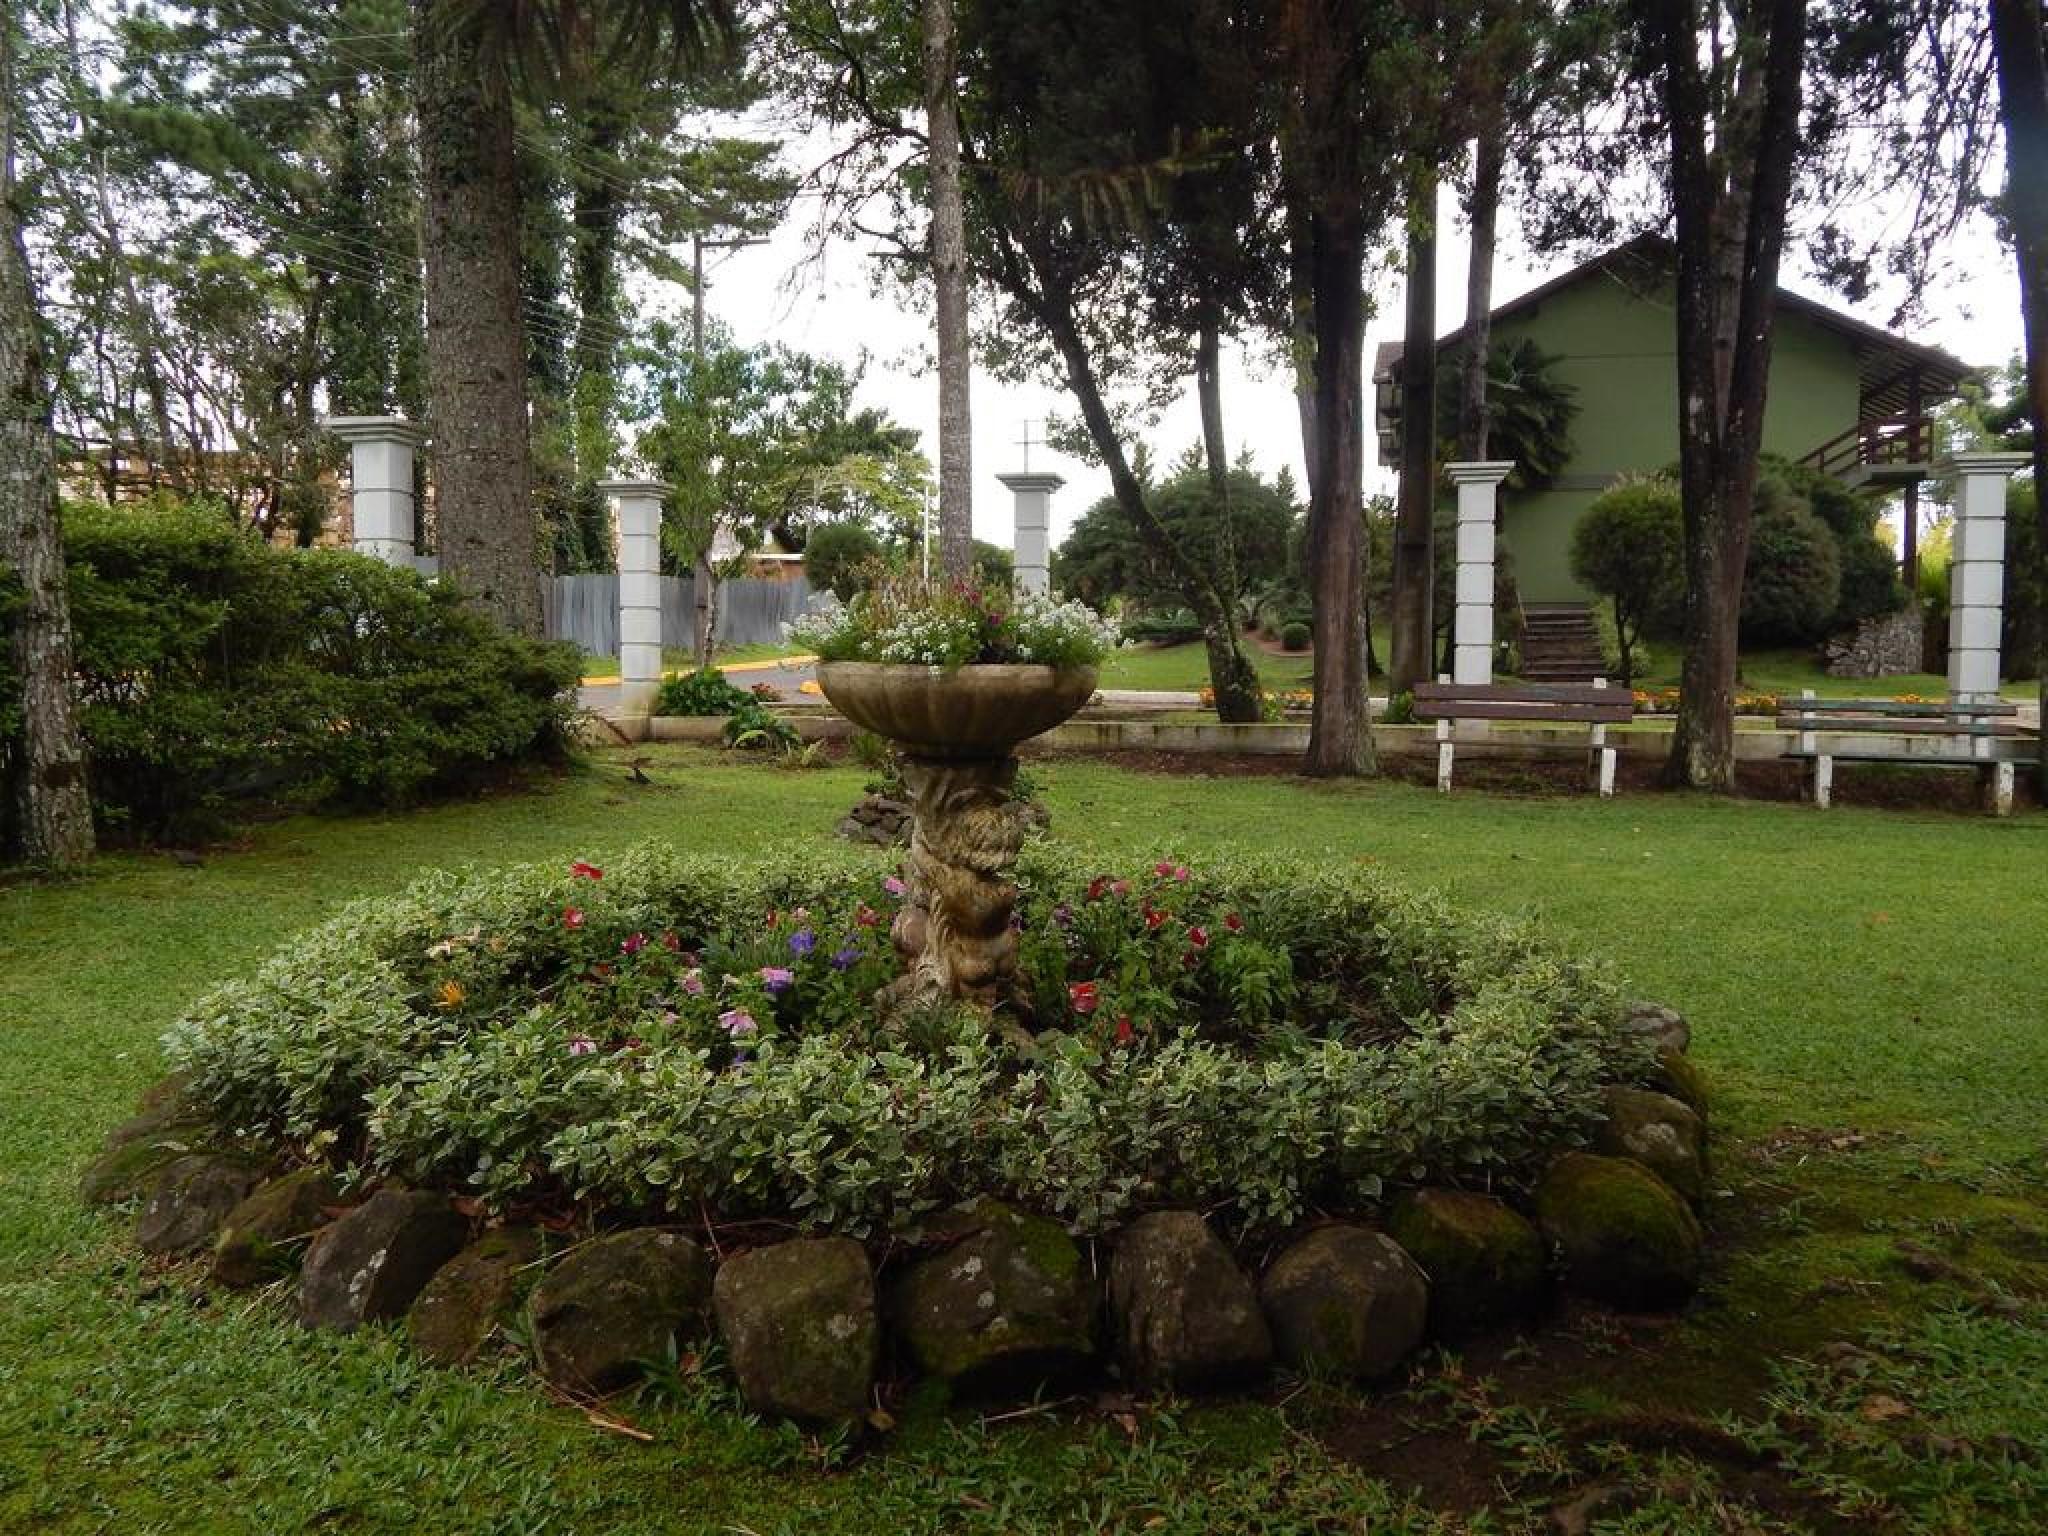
(1033, 492)
(1478, 483)
(1976, 581)
(380, 452)
(637, 504)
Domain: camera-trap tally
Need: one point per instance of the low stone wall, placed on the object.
(1890, 645)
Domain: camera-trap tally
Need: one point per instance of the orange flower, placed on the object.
(450, 994)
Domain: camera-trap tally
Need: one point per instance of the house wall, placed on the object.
(1615, 346)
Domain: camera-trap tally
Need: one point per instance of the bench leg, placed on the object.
(1998, 785)
(1443, 767)
(1823, 782)
(1607, 760)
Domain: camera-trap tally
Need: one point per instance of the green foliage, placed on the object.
(1103, 556)
(1176, 626)
(1630, 547)
(1870, 573)
(1295, 636)
(213, 668)
(2025, 612)
(674, 1030)
(904, 620)
(1793, 581)
(1529, 412)
(839, 557)
(705, 692)
(753, 726)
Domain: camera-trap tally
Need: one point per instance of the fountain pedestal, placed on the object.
(956, 730)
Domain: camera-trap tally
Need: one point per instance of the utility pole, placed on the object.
(706, 610)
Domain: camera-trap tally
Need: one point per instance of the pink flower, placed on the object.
(584, 870)
(1199, 937)
(738, 1023)
(671, 943)
(777, 978)
(572, 917)
(1163, 869)
(581, 1045)
(894, 886)
(1120, 887)
(693, 982)
(633, 944)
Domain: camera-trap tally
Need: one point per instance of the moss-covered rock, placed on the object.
(800, 1327)
(1623, 1236)
(1660, 1133)
(472, 1294)
(1484, 1260)
(1665, 1028)
(1683, 1078)
(1182, 1314)
(1008, 1307)
(191, 1198)
(1345, 1301)
(613, 1305)
(368, 1266)
(261, 1236)
(127, 1170)
(167, 1113)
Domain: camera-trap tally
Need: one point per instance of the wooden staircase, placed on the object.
(1560, 644)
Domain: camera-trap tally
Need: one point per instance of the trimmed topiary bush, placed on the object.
(698, 1035)
(1295, 637)
(1793, 581)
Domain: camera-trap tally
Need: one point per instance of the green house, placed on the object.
(1845, 396)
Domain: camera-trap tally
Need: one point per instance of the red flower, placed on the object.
(1120, 887)
(866, 916)
(1124, 1033)
(1233, 922)
(1199, 937)
(1153, 916)
(633, 944)
(1097, 886)
(1082, 995)
(572, 917)
(1163, 870)
(584, 870)
(671, 943)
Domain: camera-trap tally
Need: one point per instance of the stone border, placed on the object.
(997, 1302)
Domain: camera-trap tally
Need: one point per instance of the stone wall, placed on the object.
(1886, 646)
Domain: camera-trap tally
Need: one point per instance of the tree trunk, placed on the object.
(1488, 151)
(1231, 674)
(1340, 730)
(52, 810)
(1235, 702)
(2019, 37)
(949, 274)
(1721, 424)
(1415, 514)
(476, 363)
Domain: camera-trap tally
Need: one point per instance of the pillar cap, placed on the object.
(1479, 471)
(375, 429)
(1990, 459)
(624, 488)
(1032, 480)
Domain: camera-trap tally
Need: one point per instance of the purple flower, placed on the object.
(1063, 915)
(894, 886)
(633, 944)
(802, 942)
(777, 978)
(693, 982)
(738, 1023)
(581, 1045)
(845, 958)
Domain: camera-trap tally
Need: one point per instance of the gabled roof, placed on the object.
(1885, 362)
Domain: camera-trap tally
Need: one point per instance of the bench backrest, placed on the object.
(1543, 703)
(1899, 717)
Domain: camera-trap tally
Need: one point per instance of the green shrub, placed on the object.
(706, 692)
(1295, 637)
(214, 668)
(1870, 570)
(699, 1034)
(1792, 583)
(1630, 548)
(841, 558)
(1176, 626)
(753, 726)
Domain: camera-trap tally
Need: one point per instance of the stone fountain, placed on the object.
(957, 731)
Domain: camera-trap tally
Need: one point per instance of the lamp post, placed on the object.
(700, 579)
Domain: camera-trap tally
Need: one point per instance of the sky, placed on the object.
(776, 292)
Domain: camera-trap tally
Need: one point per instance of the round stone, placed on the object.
(1623, 1236)
(1345, 1301)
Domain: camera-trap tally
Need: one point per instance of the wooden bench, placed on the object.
(1592, 704)
(1966, 729)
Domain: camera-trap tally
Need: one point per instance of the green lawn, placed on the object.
(1787, 671)
(1865, 997)
(1185, 668)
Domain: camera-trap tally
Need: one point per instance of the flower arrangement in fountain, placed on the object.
(905, 620)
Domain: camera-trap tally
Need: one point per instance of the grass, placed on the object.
(1785, 672)
(1185, 668)
(1862, 1000)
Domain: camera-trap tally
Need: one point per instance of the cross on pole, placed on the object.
(1025, 442)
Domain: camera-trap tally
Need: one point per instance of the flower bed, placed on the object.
(905, 621)
(690, 1035)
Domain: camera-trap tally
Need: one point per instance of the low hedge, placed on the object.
(214, 668)
(688, 1034)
